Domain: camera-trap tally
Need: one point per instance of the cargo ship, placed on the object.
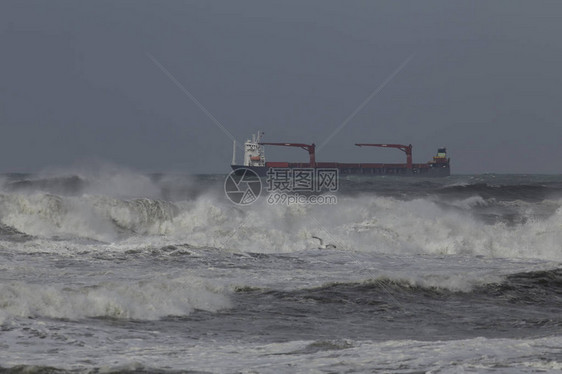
(254, 159)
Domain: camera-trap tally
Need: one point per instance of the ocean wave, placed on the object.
(66, 185)
(483, 355)
(526, 288)
(95, 217)
(106, 179)
(526, 192)
(470, 224)
(141, 300)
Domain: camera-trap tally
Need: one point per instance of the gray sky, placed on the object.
(77, 82)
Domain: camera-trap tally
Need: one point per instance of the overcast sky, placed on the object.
(482, 78)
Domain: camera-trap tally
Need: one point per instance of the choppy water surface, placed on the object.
(113, 271)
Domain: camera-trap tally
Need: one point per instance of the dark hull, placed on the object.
(428, 170)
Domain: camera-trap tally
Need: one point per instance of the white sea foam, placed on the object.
(365, 223)
(457, 282)
(470, 202)
(88, 216)
(343, 355)
(479, 354)
(106, 178)
(144, 300)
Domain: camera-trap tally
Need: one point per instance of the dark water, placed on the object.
(114, 271)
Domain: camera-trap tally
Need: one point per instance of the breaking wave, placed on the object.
(366, 223)
(536, 192)
(515, 302)
(143, 300)
(535, 287)
(94, 217)
(471, 219)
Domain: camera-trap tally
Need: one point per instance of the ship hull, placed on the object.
(428, 170)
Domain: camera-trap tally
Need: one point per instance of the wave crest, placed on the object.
(142, 300)
(94, 217)
(366, 223)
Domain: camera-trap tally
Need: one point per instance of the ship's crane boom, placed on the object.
(407, 149)
(310, 148)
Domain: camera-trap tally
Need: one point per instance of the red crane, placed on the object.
(307, 147)
(407, 149)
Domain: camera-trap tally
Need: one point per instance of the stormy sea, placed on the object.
(109, 270)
